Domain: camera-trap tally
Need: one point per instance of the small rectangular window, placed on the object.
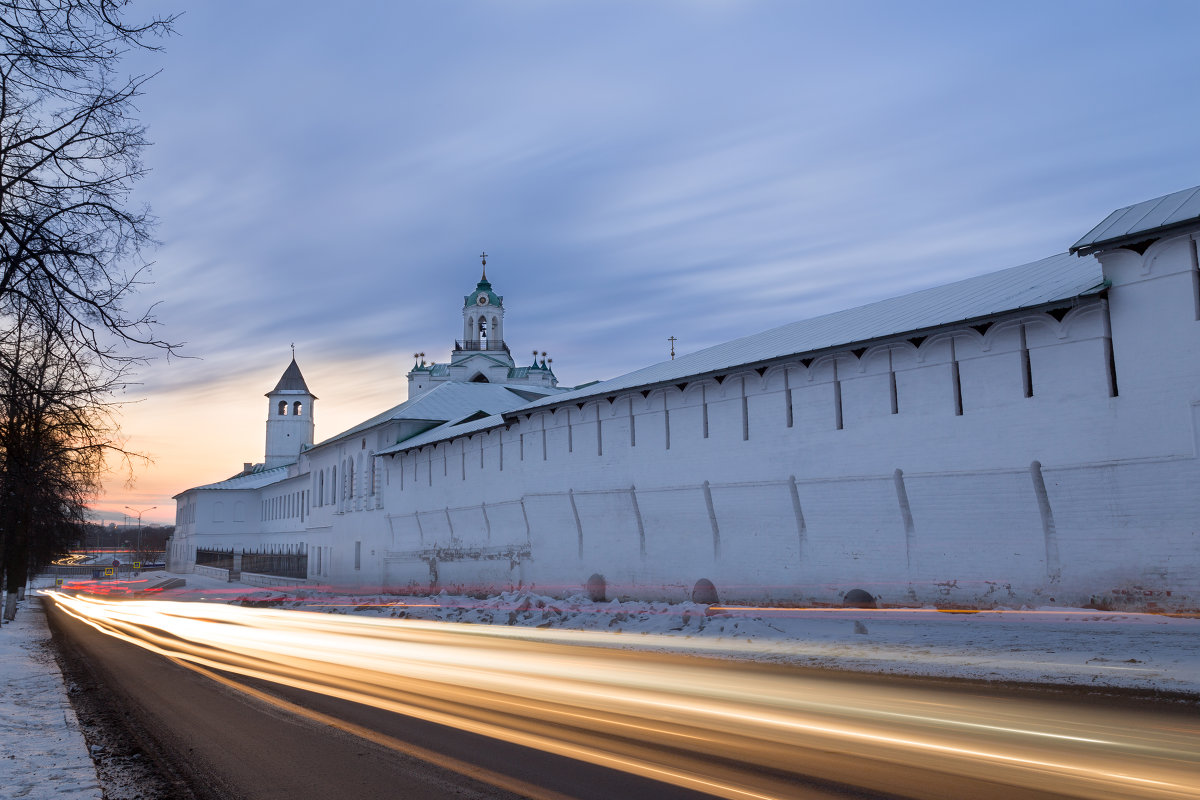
(1026, 367)
(745, 413)
(837, 404)
(358, 555)
(957, 384)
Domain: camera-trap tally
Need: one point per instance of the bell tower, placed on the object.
(289, 417)
(483, 317)
(481, 355)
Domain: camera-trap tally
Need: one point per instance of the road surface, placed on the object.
(262, 703)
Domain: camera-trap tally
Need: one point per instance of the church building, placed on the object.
(1025, 437)
(481, 356)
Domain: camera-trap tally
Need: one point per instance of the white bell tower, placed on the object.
(481, 355)
(289, 417)
(483, 317)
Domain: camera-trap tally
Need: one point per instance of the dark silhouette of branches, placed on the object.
(71, 261)
(71, 248)
(57, 432)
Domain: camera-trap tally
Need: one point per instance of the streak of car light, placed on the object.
(639, 711)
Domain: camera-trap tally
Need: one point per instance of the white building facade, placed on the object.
(1030, 436)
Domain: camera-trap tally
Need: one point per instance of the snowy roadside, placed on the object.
(45, 754)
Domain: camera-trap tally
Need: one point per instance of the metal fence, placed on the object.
(282, 561)
(220, 559)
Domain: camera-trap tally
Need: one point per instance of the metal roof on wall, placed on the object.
(1143, 219)
(1058, 278)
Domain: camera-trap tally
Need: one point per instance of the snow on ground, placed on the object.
(44, 754)
(1058, 646)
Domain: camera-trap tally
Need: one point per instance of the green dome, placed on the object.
(483, 296)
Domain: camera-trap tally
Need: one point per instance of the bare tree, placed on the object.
(71, 259)
(56, 433)
(70, 153)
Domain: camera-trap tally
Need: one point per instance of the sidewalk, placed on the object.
(44, 754)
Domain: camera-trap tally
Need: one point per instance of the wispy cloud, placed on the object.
(637, 170)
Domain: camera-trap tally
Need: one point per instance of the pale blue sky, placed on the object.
(636, 170)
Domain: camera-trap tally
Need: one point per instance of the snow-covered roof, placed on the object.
(1057, 278)
(450, 430)
(452, 400)
(253, 480)
(1143, 219)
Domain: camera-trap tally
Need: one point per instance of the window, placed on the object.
(296, 407)
(283, 408)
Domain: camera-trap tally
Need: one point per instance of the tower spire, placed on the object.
(483, 258)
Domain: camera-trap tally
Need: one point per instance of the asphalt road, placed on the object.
(735, 729)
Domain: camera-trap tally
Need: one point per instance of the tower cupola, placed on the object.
(483, 317)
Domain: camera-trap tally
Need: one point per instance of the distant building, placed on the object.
(1029, 436)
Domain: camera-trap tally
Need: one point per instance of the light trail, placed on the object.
(727, 729)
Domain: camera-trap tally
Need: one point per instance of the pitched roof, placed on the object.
(1057, 278)
(450, 401)
(291, 381)
(254, 480)
(1142, 220)
(471, 423)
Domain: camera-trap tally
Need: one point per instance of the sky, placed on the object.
(635, 170)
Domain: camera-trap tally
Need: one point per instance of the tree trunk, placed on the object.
(14, 582)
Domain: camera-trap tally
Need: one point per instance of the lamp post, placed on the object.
(139, 513)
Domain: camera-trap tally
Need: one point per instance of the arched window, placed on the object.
(483, 331)
(321, 488)
(480, 378)
(283, 408)
(296, 407)
(332, 483)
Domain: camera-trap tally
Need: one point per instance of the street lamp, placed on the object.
(138, 513)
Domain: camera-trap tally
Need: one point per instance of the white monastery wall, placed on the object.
(1042, 456)
(909, 498)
